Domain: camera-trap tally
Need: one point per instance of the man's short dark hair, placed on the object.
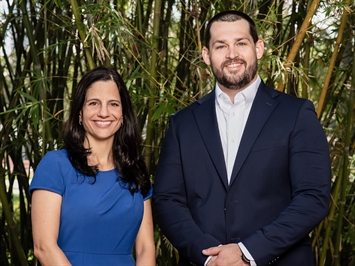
(231, 16)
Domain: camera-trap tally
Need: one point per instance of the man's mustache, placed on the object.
(233, 61)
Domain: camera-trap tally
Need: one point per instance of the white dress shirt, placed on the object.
(231, 118)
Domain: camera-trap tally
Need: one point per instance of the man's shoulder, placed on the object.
(189, 109)
(282, 97)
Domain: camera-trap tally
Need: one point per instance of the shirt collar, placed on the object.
(248, 93)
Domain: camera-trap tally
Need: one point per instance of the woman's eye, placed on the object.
(115, 104)
(93, 103)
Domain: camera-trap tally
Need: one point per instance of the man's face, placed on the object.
(232, 54)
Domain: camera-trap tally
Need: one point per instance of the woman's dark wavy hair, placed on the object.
(231, 16)
(126, 147)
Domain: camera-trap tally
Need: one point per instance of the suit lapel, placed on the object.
(206, 120)
(262, 107)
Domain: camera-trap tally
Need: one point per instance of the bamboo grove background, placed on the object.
(46, 46)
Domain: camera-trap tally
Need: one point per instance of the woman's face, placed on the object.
(101, 114)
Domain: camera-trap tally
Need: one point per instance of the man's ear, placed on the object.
(206, 55)
(259, 48)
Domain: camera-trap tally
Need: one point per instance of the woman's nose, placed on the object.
(103, 111)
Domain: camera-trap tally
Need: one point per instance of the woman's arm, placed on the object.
(145, 248)
(45, 226)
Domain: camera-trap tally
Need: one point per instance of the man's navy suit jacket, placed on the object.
(279, 189)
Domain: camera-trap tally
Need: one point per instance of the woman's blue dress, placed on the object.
(99, 221)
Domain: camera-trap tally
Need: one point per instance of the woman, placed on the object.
(90, 200)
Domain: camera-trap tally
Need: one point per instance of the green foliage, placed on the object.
(164, 72)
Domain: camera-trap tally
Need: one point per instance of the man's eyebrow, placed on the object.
(218, 41)
(236, 40)
(242, 39)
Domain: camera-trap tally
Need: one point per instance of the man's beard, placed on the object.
(234, 81)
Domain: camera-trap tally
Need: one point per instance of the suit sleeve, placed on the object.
(170, 203)
(310, 177)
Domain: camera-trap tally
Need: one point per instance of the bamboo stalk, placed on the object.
(331, 215)
(332, 61)
(306, 58)
(81, 29)
(12, 225)
(299, 39)
(345, 179)
(153, 73)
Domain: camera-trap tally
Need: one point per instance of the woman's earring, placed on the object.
(80, 120)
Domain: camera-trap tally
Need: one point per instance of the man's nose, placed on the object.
(232, 52)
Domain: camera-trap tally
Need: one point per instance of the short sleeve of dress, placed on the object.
(149, 194)
(50, 172)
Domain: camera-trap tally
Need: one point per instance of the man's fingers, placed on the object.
(213, 251)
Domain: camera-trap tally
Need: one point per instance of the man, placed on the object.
(244, 173)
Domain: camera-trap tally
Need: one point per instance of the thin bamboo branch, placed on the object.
(199, 47)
